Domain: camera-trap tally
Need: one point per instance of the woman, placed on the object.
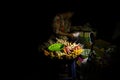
(62, 25)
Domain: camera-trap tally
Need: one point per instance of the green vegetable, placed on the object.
(56, 47)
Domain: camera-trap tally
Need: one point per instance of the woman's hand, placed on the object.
(70, 35)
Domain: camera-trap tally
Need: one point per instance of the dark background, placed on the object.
(103, 15)
(35, 19)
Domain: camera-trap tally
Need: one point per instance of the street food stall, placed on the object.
(76, 52)
(67, 52)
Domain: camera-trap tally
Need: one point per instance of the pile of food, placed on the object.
(63, 49)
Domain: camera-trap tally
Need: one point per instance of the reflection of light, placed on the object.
(76, 34)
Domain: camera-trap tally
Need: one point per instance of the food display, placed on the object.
(63, 49)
